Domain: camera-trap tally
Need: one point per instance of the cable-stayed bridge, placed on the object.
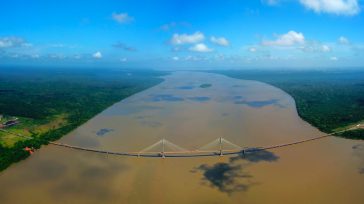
(164, 148)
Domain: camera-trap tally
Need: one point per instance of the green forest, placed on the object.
(329, 100)
(38, 96)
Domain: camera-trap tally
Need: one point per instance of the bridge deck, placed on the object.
(187, 153)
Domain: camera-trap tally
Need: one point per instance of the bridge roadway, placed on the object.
(173, 154)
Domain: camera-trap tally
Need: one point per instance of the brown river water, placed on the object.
(247, 113)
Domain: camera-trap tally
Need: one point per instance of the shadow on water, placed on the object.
(226, 177)
(257, 104)
(103, 131)
(166, 97)
(185, 87)
(358, 151)
(232, 176)
(256, 155)
(199, 98)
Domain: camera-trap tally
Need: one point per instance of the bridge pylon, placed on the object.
(161, 148)
(220, 145)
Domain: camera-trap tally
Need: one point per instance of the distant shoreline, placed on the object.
(318, 96)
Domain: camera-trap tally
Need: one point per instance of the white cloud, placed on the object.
(334, 58)
(178, 39)
(9, 42)
(252, 49)
(122, 17)
(288, 39)
(200, 47)
(195, 58)
(97, 55)
(325, 48)
(175, 58)
(338, 7)
(343, 40)
(220, 41)
(315, 47)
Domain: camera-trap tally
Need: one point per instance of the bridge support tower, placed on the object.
(220, 146)
(163, 154)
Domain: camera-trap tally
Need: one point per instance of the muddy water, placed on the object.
(247, 113)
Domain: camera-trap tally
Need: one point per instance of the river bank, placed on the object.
(52, 103)
(328, 100)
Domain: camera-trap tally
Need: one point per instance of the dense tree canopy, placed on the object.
(40, 94)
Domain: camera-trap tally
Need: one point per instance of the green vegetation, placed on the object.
(329, 100)
(353, 134)
(51, 103)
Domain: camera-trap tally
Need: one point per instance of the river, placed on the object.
(180, 110)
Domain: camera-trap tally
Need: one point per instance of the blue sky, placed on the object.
(182, 34)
